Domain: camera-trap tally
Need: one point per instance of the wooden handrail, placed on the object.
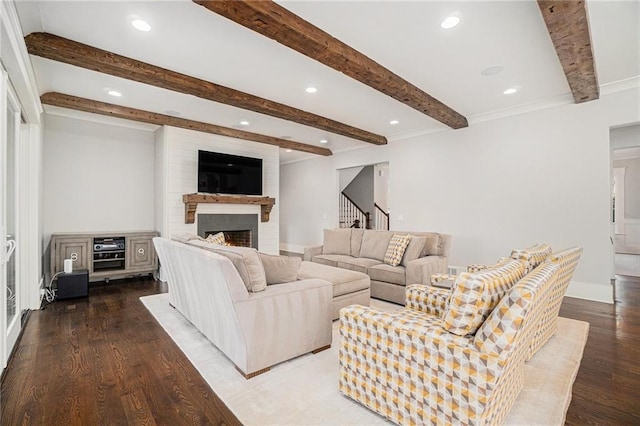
(380, 209)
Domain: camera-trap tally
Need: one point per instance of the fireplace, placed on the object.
(239, 229)
(241, 238)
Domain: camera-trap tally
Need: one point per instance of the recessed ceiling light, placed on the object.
(244, 123)
(114, 93)
(450, 22)
(311, 89)
(288, 150)
(510, 91)
(394, 122)
(323, 141)
(141, 25)
(492, 70)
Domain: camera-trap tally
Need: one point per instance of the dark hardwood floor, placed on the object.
(104, 360)
(607, 388)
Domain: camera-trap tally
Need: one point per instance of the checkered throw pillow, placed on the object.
(397, 246)
(216, 238)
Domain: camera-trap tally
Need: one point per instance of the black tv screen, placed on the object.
(229, 174)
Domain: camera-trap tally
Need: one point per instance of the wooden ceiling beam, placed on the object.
(111, 110)
(283, 26)
(568, 25)
(71, 52)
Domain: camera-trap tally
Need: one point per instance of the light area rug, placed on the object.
(305, 390)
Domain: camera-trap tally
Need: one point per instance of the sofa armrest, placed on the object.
(310, 252)
(419, 271)
(430, 300)
(284, 321)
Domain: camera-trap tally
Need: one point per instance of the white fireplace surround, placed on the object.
(177, 174)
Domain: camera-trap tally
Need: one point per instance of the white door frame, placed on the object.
(9, 330)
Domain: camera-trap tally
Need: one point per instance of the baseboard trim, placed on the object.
(591, 291)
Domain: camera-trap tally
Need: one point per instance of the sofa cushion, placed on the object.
(185, 237)
(356, 241)
(474, 295)
(217, 238)
(344, 281)
(395, 251)
(330, 259)
(360, 264)
(280, 269)
(375, 244)
(337, 241)
(388, 273)
(245, 259)
(414, 249)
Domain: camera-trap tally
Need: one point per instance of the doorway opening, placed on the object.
(625, 199)
(364, 197)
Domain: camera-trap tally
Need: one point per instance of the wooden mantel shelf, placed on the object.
(191, 202)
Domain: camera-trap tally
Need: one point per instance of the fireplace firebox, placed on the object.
(239, 229)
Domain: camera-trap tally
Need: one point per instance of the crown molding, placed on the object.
(620, 85)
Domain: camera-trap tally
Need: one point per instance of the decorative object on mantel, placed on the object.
(191, 202)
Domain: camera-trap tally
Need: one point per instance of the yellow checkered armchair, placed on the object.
(548, 325)
(410, 368)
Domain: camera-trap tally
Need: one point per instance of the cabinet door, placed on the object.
(140, 253)
(76, 249)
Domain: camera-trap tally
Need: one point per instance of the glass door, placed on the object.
(10, 306)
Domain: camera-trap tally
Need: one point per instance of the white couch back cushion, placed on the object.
(245, 259)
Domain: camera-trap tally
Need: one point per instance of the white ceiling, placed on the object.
(403, 36)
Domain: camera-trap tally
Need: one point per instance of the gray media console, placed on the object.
(106, 256)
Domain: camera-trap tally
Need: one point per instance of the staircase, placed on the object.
(350, 212)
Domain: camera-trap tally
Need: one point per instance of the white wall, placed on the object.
(542, 176)
(309, 195)
(180, 176)
(97, 177)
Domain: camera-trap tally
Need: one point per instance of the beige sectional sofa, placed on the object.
(225, 294)
(363, 250)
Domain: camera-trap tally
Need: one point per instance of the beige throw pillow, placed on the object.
(280, 269)
(414, 249)
(397, 246)
(246, 261)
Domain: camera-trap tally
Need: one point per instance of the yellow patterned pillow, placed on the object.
(397, 246)
(216, 238)
(474, 295)
(533, 256)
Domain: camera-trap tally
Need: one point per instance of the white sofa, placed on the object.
(363, 250)
(255, 329)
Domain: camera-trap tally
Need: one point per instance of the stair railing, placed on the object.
(350, 213)
(381, 218)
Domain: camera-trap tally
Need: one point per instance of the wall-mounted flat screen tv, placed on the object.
(229, 174)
